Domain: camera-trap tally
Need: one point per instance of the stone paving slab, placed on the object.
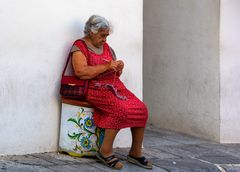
(220, 158)
(62, 159)
(51, 159)
(171, 136)
(157, 142)
(27, 159)
(75, 168)
(233, 149)
(184, 139)
(153, 132)
(177, 151)
(157, 153)
(195, 150)
(159, 132)
(231, 168)
(67, 158)
(9, 166)
(185, 165)
(149, 153)
(128, 167)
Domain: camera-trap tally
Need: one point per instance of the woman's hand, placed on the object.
(117, 66)
(113, 65)
(120, 67)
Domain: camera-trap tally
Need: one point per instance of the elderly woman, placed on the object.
(115, 107)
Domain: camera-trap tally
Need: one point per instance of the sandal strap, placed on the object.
(110, 160)
(141, 160)
(113, 163)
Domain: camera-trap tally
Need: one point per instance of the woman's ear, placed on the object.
(91, 34)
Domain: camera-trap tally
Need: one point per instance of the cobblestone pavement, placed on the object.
(169, 152)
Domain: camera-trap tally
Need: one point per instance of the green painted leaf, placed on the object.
(75, 149)
(72, 120)
(74, 136)
(85, 129)
(79, 121)
(90, 134)
(93, 149)
(82, 110)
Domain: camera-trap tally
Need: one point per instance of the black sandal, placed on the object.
(110, 161)
(141, 161)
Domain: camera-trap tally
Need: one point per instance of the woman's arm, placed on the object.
(83, 71)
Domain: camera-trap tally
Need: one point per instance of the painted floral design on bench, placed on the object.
(88, 138)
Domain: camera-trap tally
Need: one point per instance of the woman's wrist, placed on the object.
(107, 65)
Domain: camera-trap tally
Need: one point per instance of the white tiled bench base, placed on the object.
(72, 116)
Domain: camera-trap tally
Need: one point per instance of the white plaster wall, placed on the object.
(230, 70)
(35, 39)
(181, 65)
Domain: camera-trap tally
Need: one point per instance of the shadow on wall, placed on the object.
(76, 29)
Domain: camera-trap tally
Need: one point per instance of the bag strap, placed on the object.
(112, 53)
(70, 53)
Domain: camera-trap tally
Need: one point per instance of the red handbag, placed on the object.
(71, 86)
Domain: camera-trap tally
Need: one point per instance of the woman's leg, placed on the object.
(107, 146)
(135, 153)
(137, 141)
(106, 150)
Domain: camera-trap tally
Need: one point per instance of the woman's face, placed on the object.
(100, 38)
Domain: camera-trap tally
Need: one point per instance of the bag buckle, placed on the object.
(71, 84)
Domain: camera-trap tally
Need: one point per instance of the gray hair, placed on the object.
(95, 23)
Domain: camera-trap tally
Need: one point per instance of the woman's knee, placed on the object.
(145, 111)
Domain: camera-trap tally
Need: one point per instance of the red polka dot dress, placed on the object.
(115, 107)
